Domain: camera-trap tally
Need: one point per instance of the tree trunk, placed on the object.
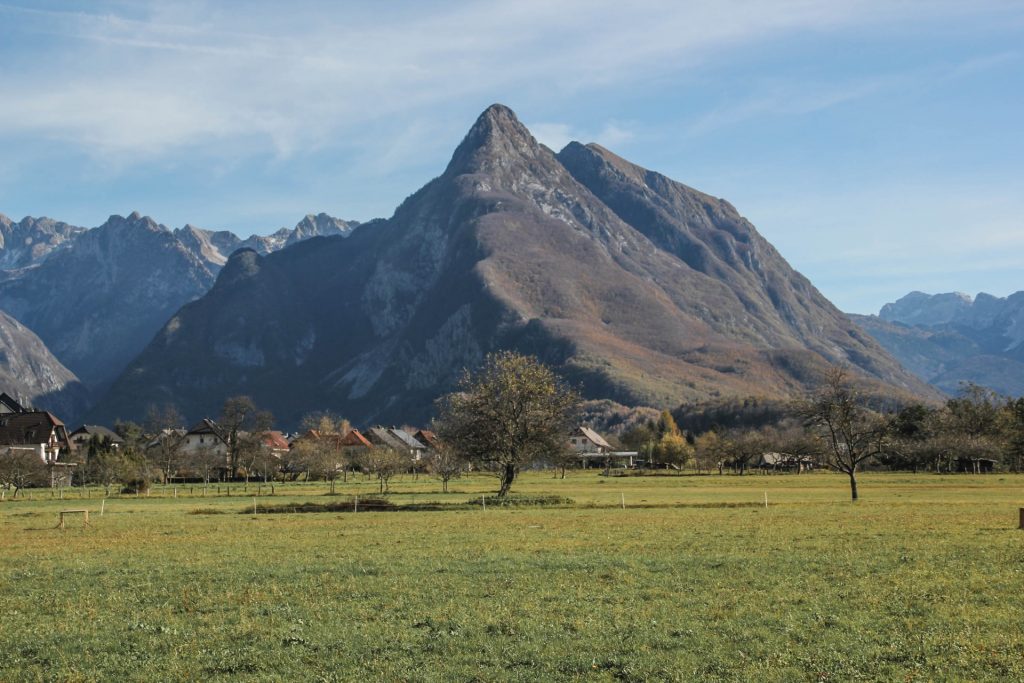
(853, 485)
(508, 475)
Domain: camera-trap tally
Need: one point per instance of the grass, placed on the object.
(693, 580)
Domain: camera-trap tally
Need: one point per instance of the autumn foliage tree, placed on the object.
(510, 413)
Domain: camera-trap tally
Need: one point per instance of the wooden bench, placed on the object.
(84, 513)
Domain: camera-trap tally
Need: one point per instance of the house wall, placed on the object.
(582, 444)
(208, 442)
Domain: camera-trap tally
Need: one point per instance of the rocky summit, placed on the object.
(29, 241)
(635, 287)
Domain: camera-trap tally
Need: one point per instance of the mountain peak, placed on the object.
(496, 133)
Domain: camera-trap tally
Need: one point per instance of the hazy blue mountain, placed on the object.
(948, 339)
(97, 296)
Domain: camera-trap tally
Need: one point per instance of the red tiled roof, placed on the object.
(355, 438)
(275, 440)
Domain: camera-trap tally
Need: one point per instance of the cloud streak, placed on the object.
(200, 77)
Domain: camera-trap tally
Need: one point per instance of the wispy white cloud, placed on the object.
(612, 134)
(781, 99)
(171, 76)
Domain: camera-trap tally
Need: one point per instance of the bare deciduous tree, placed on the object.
(445, 464)
(385, 463)
(850, 432)
(21, 468)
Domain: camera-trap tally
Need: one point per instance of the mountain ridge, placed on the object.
(507, 248)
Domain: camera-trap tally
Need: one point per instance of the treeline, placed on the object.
(975, 431)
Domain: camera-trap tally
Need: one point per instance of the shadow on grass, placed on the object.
(384, 505)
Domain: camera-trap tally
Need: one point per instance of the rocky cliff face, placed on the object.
(30, 373)
(29, 241)
(636, 287)
(949, 339)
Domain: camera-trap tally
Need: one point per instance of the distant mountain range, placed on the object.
(635, 287)
(949, 339)
(95, 297)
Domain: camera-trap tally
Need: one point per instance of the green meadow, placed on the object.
(694, 579)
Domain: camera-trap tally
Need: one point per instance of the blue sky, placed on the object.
(878, 144)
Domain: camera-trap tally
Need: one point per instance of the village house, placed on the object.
(427, 438)
(785, 462)
(206, 436)
(396, 439)
(354, 443)
(586, 440)
(42, 434)
(591, 448)
(413, 446)
(275, 442)
(81, 437)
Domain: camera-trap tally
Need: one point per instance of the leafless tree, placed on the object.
(325, 423)
(850, 432)
(164, 447)
(445, 464)
(238, 415)
(385, 463)
(20, 469)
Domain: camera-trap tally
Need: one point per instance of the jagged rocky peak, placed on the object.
(495, 140)
(918, 308)
(31, 240)
(321, 224)
(133, 222)
(633, 286)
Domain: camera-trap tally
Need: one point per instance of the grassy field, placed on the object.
(694, 580)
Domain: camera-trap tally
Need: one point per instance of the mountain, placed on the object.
(215, 247)
(638, 288)
(29, 241)
(948, 339)
(97, 297)
(30, 373)
(97, 304)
